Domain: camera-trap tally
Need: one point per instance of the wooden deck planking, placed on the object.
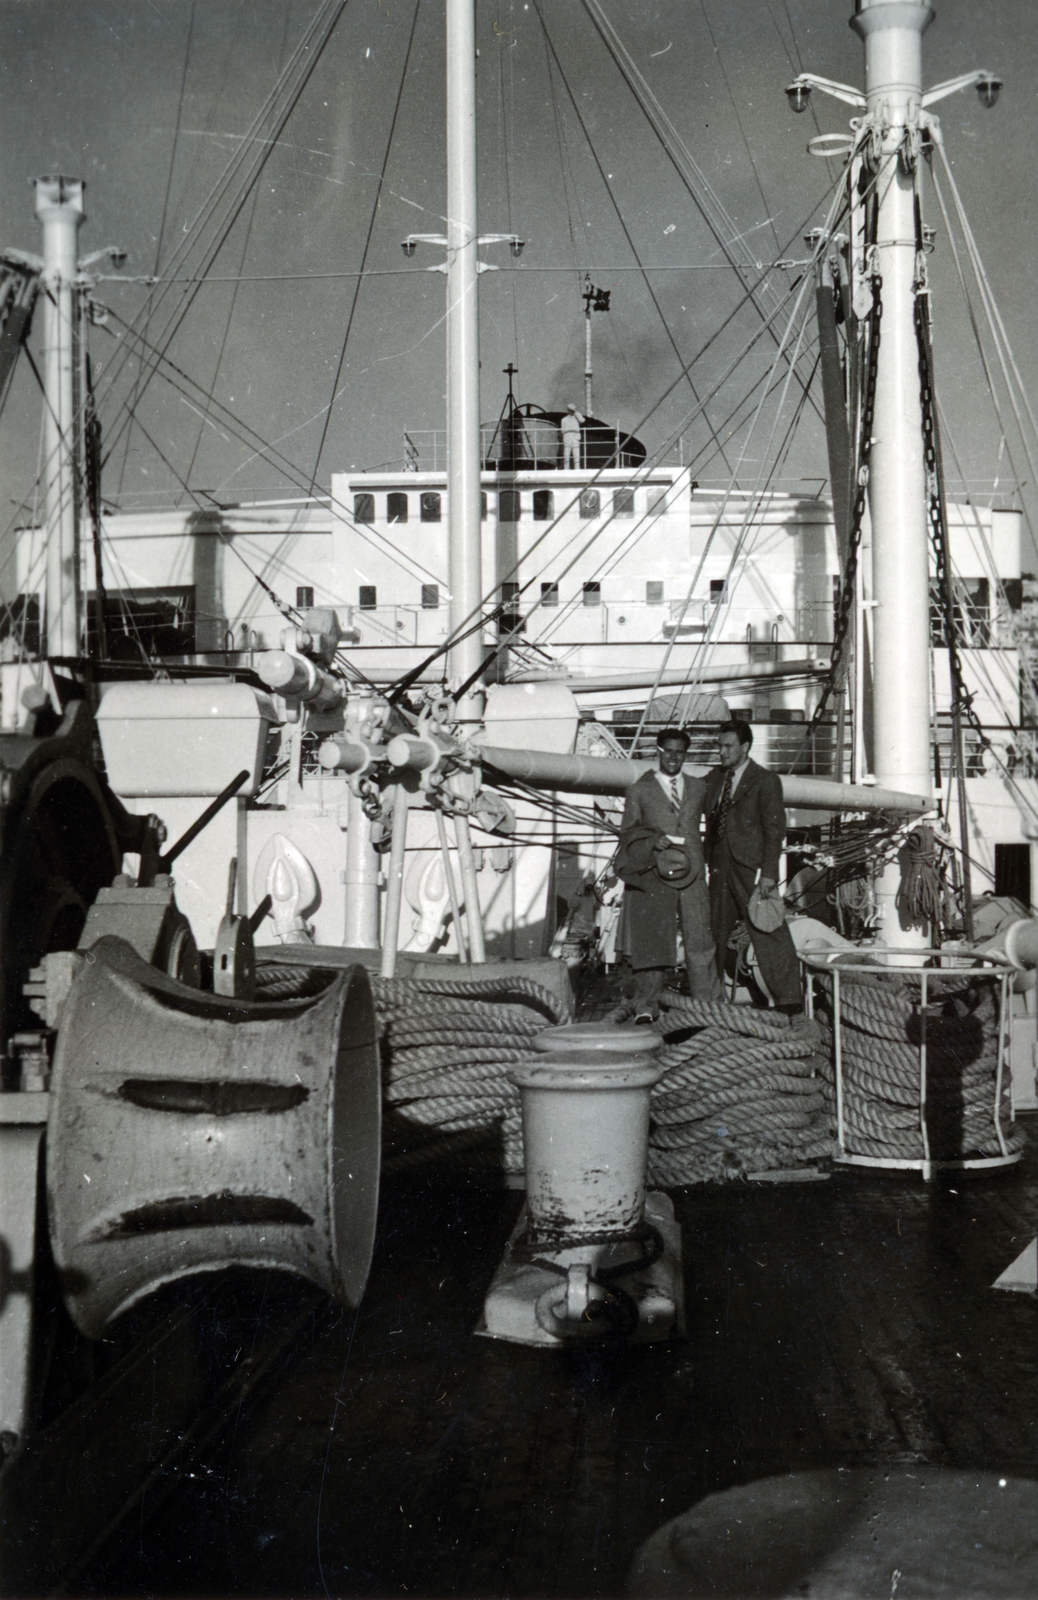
(848, 1323)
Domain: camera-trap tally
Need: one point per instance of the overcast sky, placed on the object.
(148, 100)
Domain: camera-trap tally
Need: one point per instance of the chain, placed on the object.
(845, 604)
(961, 699)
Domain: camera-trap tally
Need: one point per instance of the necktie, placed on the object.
(675, 793)
(724, 805)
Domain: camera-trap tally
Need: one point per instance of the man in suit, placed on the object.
(661, 861)
(745, 827)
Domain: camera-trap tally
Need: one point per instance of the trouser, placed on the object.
(700, 967)
(570, 452)
(731, 885)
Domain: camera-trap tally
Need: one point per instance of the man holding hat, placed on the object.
(745, 827)
(660, 859)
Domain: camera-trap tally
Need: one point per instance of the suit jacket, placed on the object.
(646, 807)
(756, 818)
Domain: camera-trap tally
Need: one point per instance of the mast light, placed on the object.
(798, 94)
(988, 90)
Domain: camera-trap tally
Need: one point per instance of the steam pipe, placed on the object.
(649, 679)
(608, 775)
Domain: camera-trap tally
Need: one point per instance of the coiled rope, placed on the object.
(446, 1046)
(744, 1093)
(882, 1028)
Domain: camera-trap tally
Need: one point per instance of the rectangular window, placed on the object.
(396, 507)
(509, 593)
(363, 508)
(718, 591)
(509, 505)
(654, 592)
(431, 506)
(367, 597)
(304, 598)
(549, 594)
(430, 596)
(657, 503)
(483, 508)
(593, 593)
(543, 505)
(623, 502)
(590, 503)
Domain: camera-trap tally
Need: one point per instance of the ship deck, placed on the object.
(849, 1323)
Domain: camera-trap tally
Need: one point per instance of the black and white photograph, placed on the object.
(518, 799)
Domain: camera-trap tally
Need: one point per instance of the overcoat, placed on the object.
(650, 904)
(756, 818)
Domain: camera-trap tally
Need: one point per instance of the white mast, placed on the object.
(892, 31)
(463, 454)
(59, 206)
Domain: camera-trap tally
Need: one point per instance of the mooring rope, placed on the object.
(446, 1046)
(742, 1094)
(882, 1029)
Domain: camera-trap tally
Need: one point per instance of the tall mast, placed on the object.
(59, 206)
(892, 31)
(463, 453)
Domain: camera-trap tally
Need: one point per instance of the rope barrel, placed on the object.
(886, 1101)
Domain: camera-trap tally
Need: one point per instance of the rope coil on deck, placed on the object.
(743, 1094)
(446, 1046)
(882, 1028)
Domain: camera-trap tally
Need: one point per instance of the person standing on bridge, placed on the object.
(660, 860)
(570, 427)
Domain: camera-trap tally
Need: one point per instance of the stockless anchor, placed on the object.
(593, 1257)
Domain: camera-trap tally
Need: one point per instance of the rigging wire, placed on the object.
(995, 326)
(701, 652)
(714, 213)
(739, 121)
(248, 436)
(620, 218)
(367, 247)
(308, 53)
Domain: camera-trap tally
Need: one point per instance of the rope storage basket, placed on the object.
(918, 1076)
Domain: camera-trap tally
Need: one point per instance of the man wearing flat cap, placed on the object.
(660, 860)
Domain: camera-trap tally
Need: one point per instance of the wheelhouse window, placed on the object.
(431, 506)
(363, 508)
(367, 597)
(549, 594)
(657, 502)
(623, 502)
(590, 503)
(543, 505)
(654, 592)
(430, 596)
(396, 507)
(483, 507)
(593, 593)
(509, 505)
(304, 598)
(718, 591)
